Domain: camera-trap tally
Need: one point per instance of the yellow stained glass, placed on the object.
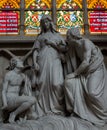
(9, 4)
(38, 4)
(97, 4)
(47, 3)
(69, 4)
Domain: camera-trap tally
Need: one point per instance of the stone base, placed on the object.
(53, 123)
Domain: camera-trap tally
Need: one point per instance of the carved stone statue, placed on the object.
(16, 93)
(70, 79)
(47, 62)
(86, 82)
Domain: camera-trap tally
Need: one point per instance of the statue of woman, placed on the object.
(47, 62)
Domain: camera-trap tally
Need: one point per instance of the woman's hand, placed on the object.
(62, 57)
(4, 107)
(52, 44)
(49, 42)
(36, 66)
(71, 76)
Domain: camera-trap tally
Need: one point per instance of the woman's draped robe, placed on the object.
(50, 76)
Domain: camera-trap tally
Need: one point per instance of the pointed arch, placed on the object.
(15, 3)
(29, 2)
(59, 3)
(91, 3)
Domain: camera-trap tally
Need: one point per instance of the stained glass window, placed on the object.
(69, 15)
(69, 4)
(38, 4)
(98, 22)
(9, 4)
(65, 19)
(22, 17)
(9, 22)
(9, 19)
(32, 21)
(33, 16)
(97, 16)
(68, 19)
(97, 4)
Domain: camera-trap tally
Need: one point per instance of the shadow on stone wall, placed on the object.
(3, 65)
(104, 51)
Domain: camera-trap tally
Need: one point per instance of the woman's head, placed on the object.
(46, 24)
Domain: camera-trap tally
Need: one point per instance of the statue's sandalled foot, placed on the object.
(12, 117)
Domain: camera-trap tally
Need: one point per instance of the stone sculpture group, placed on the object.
(68, 80)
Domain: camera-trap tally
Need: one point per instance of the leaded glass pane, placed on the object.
(9, 4)
(97, 4)
(32, 21)
(66, 20)
(97, 22)
(69, 4)
(38, 4)
(9, 22)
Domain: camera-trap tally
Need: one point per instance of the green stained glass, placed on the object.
(66, 20)
(32, 21)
